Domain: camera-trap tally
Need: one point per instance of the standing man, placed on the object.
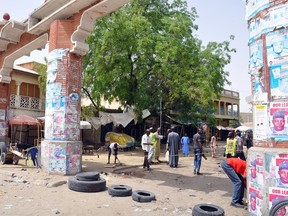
(213, 145)
(157, 147)
(235, 168)
(173, 144)
(239, 146)
(145, 143)
(230, 150)
(151, 152)
(249, 143)
(198, 151)
(185, 141)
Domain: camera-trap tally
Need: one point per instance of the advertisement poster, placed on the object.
(254, 6)
(256, 57)
(3, 129)
(277, 48)
(2, 114)
(279, 81)
(255, 29)
(275, 18)
(275, 196)
(270, 167)
(260, 122)
(58, 123)
(278, 120)
(255, 200)
(282, 171)
(256, 171)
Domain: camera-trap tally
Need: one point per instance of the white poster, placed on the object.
(260, 122)
(254, 6)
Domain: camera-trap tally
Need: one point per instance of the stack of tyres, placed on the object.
(87, 182)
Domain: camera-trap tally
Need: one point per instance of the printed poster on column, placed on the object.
(255, 199)
(275, 196)
(256, 57)
(256, 171)
(255, 29)
(276, 17)
(278, 120)
(281, 169)
(260, 122)
(2, 114)
(58, 124)
(254, 6)
(277, 47)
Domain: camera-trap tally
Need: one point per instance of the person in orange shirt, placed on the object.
(235, 168)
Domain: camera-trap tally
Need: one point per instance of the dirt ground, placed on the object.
(31, 191)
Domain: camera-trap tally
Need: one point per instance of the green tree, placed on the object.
(42, 71)
(147, 51)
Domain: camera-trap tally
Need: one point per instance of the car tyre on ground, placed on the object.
(86, 186)
(120, 190)
(274, 210)
(88, 176)
(3, 154)
(143, 196)
(207, 210)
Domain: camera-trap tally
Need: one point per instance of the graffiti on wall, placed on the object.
(62, 108)
(3, 129)
(63, 158)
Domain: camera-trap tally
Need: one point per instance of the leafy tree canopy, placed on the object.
(147, 51)
(42, 71)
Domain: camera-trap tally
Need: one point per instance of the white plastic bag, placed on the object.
(167, 156)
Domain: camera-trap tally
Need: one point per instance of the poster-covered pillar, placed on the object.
(61, 149)
(267, 161)
(4, 106)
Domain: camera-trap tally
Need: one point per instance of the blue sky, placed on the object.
(217, 21)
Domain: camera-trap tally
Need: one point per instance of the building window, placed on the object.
(29, 90)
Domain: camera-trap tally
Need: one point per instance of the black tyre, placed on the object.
(120, 190)
(143, 196)
(3, 154)
(88, 176)
(276, 209)
(86, 186)
(207, 210)
(3, 157)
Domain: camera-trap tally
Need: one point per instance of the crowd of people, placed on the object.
(234, 164)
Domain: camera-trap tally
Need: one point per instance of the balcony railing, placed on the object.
(25, 102)
(229, 93)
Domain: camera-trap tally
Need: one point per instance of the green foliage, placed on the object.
(41, 69)
(148, 50)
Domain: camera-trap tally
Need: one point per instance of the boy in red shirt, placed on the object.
(235, 168)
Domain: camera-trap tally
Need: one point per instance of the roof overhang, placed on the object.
(38, 23)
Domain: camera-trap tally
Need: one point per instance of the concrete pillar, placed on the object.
(4, 105)
(268, 49)
(61, 150)
(18, 84)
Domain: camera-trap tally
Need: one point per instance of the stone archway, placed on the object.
(65, 24)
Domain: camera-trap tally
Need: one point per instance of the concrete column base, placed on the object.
(61, 157)
(265, 187)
